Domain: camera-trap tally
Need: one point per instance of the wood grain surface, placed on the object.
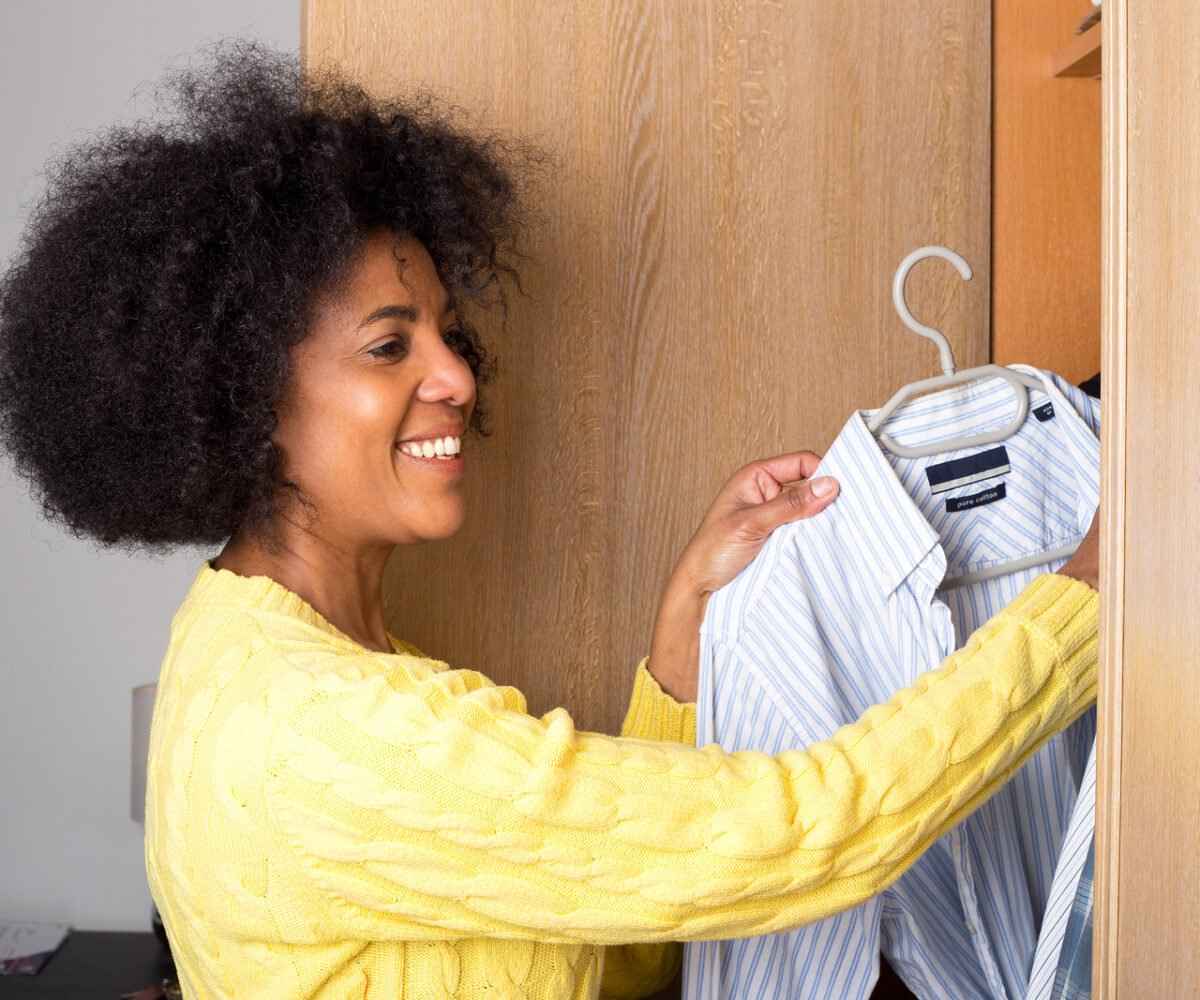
(1114, 315)
(1148, 903)
(734, 185)
(1046, 194)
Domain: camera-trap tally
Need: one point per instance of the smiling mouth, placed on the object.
(444, 449)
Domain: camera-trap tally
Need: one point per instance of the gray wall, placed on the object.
(82, 626)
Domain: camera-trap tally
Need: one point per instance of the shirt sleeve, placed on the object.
(427, 804)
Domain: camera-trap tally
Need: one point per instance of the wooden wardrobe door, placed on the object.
(1046, 194)
(1148, 817)
(734, 185)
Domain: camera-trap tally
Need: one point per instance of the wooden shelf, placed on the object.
(1080, 57)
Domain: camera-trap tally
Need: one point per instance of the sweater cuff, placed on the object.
(1066, 613)
(655, 715)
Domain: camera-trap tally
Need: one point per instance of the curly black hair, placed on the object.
(146, 322)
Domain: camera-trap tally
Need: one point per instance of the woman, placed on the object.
(247, 328)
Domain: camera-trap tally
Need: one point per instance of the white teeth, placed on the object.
(443, 448)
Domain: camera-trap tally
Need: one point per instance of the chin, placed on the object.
(438, 526)
(443, 532)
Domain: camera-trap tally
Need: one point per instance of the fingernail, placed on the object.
(822, 487)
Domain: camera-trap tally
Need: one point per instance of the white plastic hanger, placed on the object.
(951, 376)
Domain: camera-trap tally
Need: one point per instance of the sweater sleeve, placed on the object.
(427, 804)
(655, 715)
(632, 971)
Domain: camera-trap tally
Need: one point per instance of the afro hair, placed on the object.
(147, 320)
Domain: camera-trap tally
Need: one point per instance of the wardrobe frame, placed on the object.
(1148, 812)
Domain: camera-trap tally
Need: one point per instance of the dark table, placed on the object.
(94, 965)
(101, 965)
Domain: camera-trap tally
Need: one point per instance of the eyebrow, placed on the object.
(409, 314)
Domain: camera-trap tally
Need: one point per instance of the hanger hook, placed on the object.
(906, 316)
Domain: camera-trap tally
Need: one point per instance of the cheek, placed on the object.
(330, 431)
(367, 407)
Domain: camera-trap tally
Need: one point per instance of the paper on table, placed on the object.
(26, 947)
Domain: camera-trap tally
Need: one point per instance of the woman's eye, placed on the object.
(389, 350)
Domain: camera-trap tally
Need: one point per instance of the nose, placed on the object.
(448, 378)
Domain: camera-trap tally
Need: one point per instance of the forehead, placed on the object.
(388, 270)
(392, 270)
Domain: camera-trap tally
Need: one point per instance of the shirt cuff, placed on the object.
(1066, 613)
(655, 715)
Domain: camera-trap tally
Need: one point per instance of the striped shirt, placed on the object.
(1062, 965)
(839, 612)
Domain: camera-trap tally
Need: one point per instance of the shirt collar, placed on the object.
(876, 522)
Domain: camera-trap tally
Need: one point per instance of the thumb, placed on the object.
(795, 502)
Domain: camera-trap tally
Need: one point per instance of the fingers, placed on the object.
(788, 468)
(795, 503)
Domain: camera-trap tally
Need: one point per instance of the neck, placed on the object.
(343, 583)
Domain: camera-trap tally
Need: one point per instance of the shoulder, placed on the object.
(248, 651)
(245, 651)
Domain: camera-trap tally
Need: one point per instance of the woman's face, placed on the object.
(371, 426)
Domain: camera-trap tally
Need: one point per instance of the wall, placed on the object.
(82, 626)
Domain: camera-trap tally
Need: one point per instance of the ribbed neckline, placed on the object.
(223, 586)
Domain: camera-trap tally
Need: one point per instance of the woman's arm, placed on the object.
(655, 715)
(430, 805)
(632, 971)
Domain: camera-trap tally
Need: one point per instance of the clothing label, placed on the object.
(964, 471)
(981, 499)
(1044, 412)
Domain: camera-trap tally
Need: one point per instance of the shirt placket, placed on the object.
(932, 624)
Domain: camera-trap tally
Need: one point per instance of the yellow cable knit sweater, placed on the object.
(327, 821)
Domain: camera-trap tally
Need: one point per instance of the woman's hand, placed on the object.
(757, 500)
(1085, 563)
